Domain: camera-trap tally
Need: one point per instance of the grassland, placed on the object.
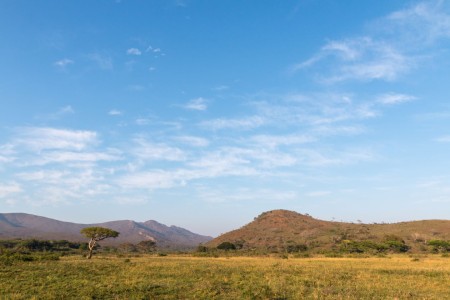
(183, 277)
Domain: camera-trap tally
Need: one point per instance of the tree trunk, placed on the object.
(91, 246)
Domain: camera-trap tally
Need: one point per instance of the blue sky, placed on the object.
(203, 114)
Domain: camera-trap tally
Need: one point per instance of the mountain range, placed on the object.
(273, 230)
(277, 229)
(21, 225)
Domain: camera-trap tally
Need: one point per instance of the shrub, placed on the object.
(296, 248)
(439, 245)
(202, 249)
(226, 246)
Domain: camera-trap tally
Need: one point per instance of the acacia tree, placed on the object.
(96, 234)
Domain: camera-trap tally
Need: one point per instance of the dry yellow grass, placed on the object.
(150, 277)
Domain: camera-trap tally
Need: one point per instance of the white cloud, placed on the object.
(423, 23)
(114, 112)
(150, 180)
(67, 157)
(221, 88)
(196, 104)
(393, 98)
(134, 51)
(224, 162)
(325, 158)
(273, 141)
(393, 46)
(43, 138)
(149, 151)
(52, 176)
(142, 121)
(7, 189)
(365, 59)
(326, 130)
(193, 141)
(63, 62)
(6, 153)
(243, 123)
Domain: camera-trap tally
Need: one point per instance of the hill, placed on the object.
(278, 230)
(20, 225)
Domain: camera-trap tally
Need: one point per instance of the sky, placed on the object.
(204, 114)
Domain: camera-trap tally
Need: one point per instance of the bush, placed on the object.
(439, 245)
(146, 246)
(226, 246)
(202, 249)
(296, 248)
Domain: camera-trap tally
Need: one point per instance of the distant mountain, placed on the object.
(20, 225)
(279, 228)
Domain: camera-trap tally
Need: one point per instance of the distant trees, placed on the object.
(391, 243)
(96, 234)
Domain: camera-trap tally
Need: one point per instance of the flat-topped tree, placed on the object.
(97, 234)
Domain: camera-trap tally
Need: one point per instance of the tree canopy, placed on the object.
(96, 234)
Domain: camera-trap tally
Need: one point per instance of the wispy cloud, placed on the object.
(273, 141)
(193, 140)
(150, 180)
(142, 121)
(393, 98)
(7, 189)
(6, 153)
(114, 112)
(221, 88)
(43, 138)
(392, 47)
(197, 104)
(134, 51)
(63, 63)
(103, 61)
(421, 24)
(243, 123)
(60, 113)
(49, 176)
(359, 59)
(149, 151)
(58, 157)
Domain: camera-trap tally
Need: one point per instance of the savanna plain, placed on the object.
(267, 277)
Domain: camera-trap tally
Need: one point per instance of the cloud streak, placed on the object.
(199, 104)
(393, 46)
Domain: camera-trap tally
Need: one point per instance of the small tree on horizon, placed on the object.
(96, 234)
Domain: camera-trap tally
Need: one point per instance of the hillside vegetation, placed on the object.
(283, 230)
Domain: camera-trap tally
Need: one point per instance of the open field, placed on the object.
(179, 277)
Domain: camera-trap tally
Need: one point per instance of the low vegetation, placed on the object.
(145, 276)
